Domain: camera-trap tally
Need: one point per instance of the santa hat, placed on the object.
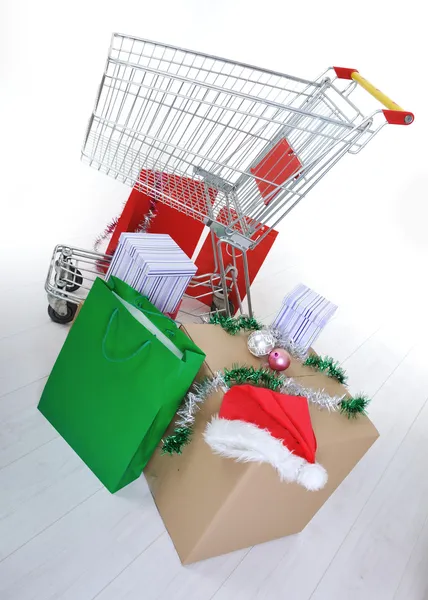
(258, 425)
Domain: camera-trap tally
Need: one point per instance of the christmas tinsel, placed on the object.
(328, 366)
(319, 397)
(174, 443)
(249, 375)
(233, 325)
(353, 407)
(142, 227)
(145, 224)
(107, 231)
(285, 342)
(200, 391)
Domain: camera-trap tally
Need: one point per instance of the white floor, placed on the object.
(359, 238)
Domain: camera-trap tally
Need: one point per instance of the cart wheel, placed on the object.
(63, 319)
(78, 280)
(215, 308)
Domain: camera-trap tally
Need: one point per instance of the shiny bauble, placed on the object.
(279, 359)
(261, 342)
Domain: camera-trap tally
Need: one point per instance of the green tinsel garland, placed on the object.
(258, 377)
(234, 325)
(353, 407)
(328, 366)
(173, 444)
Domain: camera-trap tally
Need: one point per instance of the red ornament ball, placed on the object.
(279, 359)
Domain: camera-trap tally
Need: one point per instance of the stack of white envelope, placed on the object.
(303, 315)
(154, 265)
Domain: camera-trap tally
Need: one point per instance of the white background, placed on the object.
(359, 237)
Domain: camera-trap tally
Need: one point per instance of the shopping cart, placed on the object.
(231, 145)
(72, 271)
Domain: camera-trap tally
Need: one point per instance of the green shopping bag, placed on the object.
(115, 386)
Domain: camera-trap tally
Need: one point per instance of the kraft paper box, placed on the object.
(79, 308)
(212, 505)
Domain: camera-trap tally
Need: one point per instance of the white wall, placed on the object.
(359, 237)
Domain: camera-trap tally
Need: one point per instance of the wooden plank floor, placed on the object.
(63, 536)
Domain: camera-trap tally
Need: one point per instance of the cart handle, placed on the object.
(394, 114)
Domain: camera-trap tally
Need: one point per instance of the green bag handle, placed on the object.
(170, 332)
(126, 292)
(126, 358)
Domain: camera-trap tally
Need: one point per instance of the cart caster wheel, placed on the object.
(78, 280)
(63, 319)
(215, 307)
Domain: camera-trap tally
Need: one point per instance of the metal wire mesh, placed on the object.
(215, 139)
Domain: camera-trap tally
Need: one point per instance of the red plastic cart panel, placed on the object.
(279, 164)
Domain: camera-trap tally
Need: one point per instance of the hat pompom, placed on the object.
(312, 476)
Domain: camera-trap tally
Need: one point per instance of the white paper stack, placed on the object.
(154, 265)
(303, 315)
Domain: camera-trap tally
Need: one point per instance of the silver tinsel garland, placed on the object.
(143, 227)
(145, 224)
(198, 394)
(318, 397)
(283, 341)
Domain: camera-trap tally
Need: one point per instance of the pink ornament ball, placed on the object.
(279, 359)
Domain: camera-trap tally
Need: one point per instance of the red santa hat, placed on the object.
(258, 425)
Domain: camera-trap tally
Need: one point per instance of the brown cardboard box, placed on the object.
(79, 308)
(212, 505)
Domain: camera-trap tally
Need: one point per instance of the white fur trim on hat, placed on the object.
(246, 442)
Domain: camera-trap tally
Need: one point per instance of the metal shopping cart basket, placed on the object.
(231, 145)
(72, 271)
